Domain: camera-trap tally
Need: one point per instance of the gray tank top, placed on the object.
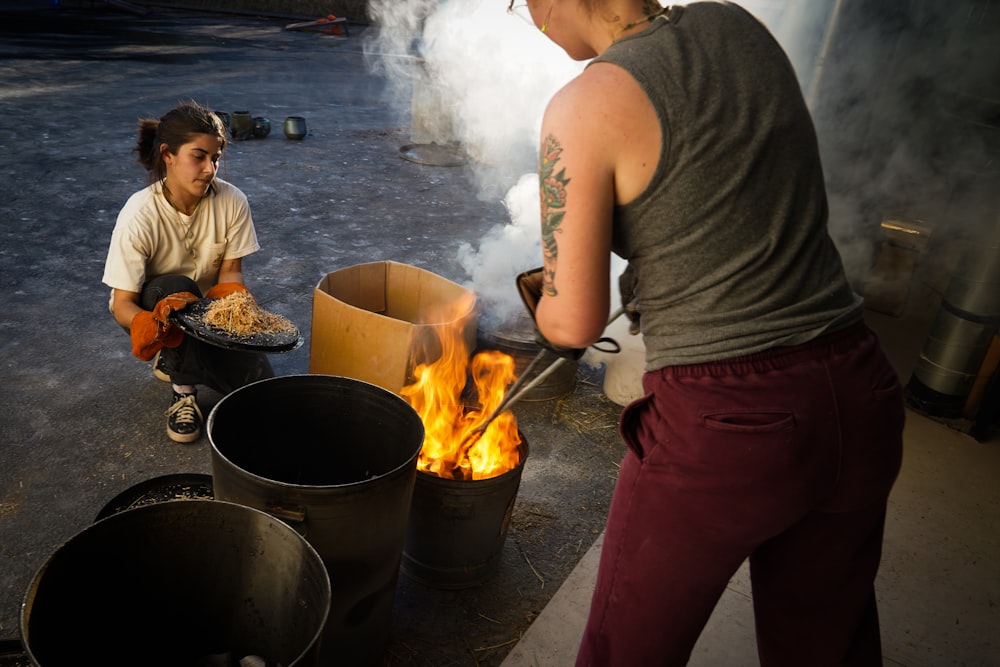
(728, 244)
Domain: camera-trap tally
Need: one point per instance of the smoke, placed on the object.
(505, 250)
(904, 99)
(470, 75)
(885, 82)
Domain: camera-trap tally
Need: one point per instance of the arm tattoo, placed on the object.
(553, 191)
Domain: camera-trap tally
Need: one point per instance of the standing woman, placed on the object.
(182, 237)
(771, 426)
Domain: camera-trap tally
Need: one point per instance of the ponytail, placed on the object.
(149, 152)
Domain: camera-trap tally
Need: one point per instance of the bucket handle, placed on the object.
(293, 515)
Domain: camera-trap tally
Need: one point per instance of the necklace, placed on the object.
(170, 200)
(648, 18)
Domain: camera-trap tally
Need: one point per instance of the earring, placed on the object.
(545, 23)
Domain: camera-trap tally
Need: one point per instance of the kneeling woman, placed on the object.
(182, 237)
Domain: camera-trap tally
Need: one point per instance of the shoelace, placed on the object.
(186, 409)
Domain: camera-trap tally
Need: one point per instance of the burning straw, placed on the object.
(450, 449)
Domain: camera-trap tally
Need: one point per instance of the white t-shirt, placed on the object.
(151, 238)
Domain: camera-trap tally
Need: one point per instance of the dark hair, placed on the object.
(176, 128)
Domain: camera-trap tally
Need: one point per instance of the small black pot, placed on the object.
(261, 127)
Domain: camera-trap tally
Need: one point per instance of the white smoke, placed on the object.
(498, 74)
(506, 250)
(489, 76)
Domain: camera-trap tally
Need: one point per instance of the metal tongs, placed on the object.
(522, 386)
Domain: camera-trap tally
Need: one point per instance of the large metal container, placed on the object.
(178, 583)
(517, 339)
(951, 360)
(952, 353)
(458, 527)
(336, 458)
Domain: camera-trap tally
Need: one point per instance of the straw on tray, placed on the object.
(240, 315)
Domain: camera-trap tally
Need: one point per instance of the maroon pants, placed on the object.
(786, 457)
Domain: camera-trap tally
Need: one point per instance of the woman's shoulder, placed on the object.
(144, 195)
(226, 190)
(221, 185)
(139, 202)
(597, 98)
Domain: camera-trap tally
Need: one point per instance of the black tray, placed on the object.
(191, 321)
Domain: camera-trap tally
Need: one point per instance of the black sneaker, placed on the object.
(184, 418)
(158, 371)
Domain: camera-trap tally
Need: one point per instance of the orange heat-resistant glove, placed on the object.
(222, 290)
(170, 303)
(152, 330)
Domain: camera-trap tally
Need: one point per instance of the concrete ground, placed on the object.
(82, 419)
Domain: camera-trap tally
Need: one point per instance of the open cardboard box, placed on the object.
(376, 322)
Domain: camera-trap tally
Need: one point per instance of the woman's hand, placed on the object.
(152, 330)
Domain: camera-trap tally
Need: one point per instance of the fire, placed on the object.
(451, 448)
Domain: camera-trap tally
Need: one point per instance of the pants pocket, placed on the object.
(630, 424)
(749, 421)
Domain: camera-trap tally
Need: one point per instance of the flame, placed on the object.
(451, 448)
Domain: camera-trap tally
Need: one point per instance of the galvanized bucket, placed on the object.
(458, 527)
(178, 583)
(336, 458)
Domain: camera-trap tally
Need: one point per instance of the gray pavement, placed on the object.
(82, 420)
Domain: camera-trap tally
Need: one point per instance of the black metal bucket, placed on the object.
(336, 458)
(518, 340)
(177, 583)
(458, 528)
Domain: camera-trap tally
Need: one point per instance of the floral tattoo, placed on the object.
(553, 190)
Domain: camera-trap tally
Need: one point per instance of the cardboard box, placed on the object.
(376, 322)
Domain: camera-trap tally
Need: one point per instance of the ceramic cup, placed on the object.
(261, 127)
(241, 125)
(295, 127)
